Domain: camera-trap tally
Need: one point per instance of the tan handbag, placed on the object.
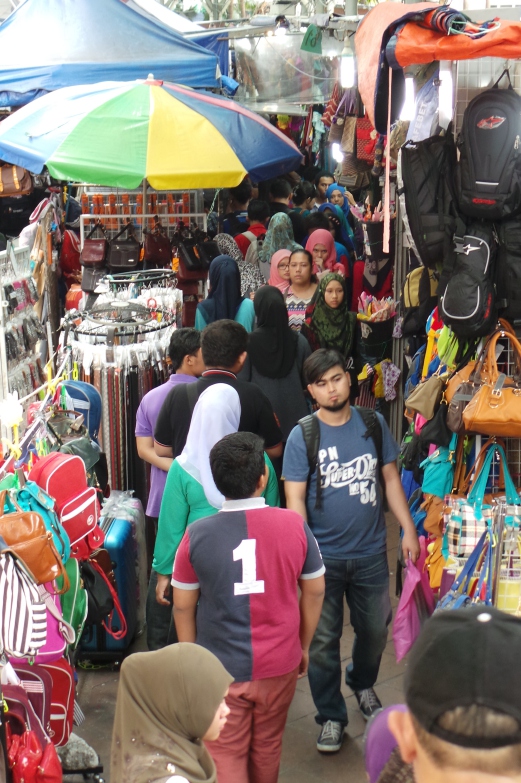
(348, 142)
(495, 409)
(15, 181)
(425, 398)
(25, 534)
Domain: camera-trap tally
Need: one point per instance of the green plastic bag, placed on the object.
(74, 601)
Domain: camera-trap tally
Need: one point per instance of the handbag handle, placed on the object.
(119, 634)
(474, 471)
(491, 354)
(127, 227)
(97, 226)
(485, 575)
(462, 582)
(477, 493)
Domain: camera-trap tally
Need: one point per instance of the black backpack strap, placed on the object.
(192, 393)
(311, 433)
(374, 431)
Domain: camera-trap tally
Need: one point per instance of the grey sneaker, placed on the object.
(330, 738)
(368, 702)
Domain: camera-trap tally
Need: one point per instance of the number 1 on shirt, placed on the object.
(250, 584)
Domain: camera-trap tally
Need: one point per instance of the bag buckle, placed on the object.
(496, 391)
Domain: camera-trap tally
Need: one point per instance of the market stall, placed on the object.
(79, 38)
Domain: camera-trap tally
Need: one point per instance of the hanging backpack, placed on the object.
(488, 173)
(424, 173)
(466, 290)
(418, 299)
(508, 274)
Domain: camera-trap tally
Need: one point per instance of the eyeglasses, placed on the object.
(283, 267)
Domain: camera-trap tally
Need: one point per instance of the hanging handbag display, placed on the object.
(465, 592)
(465, 519)
(26, 535)
(23, 621)
(196, 256)
(157, 248)
(345, 107)
(425, 398)
(15, 181)
(94, 251)
(438, 470)
(123, 253)
(495, 408)
(332, 106)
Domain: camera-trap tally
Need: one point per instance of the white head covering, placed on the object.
(216, 414)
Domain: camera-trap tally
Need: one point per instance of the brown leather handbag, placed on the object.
(26, 535)
(495, 409)
(157, 248)
(15, 181)
(94, 251)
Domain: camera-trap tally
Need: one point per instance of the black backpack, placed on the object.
(466, 291)
(508, 274)
(425, 171)
(488, 174)
(311, 433)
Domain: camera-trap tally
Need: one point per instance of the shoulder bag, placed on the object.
(124, 253)
(425, 398)
(495, 408)
(465, 519)
(26, 535)
(15, 181)
(157, 248)
(94, 251)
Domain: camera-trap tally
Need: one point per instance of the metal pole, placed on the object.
(498, 530)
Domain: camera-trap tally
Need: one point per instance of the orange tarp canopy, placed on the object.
(416, 45)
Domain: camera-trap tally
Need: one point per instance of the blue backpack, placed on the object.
(86, 400)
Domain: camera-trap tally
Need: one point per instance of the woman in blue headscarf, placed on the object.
(224, 299)
(336, 194)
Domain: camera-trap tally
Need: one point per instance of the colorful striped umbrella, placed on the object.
(119, 133)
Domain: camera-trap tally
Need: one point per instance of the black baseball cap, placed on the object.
(461, 658)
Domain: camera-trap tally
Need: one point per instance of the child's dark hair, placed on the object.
(237, 463)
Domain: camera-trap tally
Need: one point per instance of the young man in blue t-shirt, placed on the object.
(349, 525)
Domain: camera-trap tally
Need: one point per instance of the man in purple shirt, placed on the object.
(187, 366)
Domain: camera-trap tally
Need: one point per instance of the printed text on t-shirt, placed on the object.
(359, 474)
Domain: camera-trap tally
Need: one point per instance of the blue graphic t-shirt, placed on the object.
(351, 521)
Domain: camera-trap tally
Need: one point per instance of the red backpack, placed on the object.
(64, 478)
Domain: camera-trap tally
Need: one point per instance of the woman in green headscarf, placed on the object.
(328, 322)
(279, 236)
(168, 702)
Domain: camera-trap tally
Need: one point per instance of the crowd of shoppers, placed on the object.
(258, 590)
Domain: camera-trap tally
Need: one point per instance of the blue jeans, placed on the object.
(160, 623)
(365, 583)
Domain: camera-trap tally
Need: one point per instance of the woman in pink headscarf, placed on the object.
(279, 270)
(322, 247)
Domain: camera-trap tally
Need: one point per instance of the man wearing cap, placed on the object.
(462, 719)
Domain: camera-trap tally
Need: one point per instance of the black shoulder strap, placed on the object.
(374, 431)
(192, 393)
(311, 433)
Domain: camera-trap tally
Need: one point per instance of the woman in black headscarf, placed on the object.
(275, 358)
(224, 299)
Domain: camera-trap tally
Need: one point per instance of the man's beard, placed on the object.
(338, 406)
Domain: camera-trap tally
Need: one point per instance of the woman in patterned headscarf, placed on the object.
(279, 236)
(251, 277)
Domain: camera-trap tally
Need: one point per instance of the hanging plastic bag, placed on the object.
(415, 606)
